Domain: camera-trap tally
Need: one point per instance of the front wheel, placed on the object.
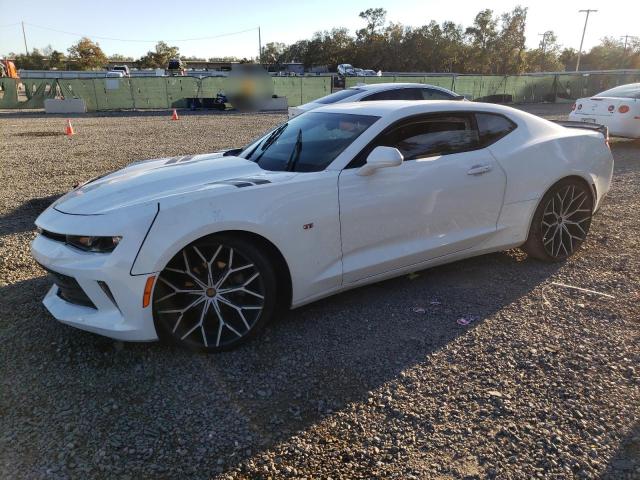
(215, 294)
(561, 222)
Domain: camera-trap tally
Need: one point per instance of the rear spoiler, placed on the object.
(594, 127)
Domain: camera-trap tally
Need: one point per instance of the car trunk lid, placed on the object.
(598, 106)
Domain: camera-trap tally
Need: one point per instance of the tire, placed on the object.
(561, 222)
(215, 294)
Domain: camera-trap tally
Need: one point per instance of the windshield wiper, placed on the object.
(268, 142)
(295, 153)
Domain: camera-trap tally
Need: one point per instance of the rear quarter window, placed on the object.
(493, 127)
(431, 94)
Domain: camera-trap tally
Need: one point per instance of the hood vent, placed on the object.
(242, 182)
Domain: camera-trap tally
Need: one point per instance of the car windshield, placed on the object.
(623, 91)
(337, 96)
(307, 143)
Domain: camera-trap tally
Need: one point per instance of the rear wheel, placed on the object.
(215, 294)
(561, 222)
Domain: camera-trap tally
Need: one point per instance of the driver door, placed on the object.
(444, 198)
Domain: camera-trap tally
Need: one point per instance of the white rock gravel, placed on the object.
(379, 382)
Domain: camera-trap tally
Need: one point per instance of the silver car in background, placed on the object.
(379, 91)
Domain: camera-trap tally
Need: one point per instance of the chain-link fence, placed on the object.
(101, 94)
(532, 88)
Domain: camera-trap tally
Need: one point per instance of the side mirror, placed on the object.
(381, 157)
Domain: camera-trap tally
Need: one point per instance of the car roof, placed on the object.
(409, 107)
(629, 87)
(395, 85)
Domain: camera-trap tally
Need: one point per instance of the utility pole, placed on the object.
(543, 43)
(543, 46)
(259, 47)
(626, 40)
(588, 11)
(24, 37)
(624, 52)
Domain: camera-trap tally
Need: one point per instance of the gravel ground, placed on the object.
(379, 382)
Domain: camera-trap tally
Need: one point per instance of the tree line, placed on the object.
(493, 44)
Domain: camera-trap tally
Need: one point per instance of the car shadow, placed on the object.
(625, 463)
(22, 217)
(210, 413)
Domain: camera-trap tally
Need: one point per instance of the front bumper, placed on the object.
(104, 279)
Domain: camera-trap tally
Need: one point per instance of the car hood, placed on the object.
(152, 180)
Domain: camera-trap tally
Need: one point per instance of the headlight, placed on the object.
(93, 244)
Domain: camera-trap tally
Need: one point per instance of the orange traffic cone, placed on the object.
(175, 115)
(68, 130)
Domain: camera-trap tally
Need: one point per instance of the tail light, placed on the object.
(579, 106)
(573, 107)
(623, 108)
(611, 108)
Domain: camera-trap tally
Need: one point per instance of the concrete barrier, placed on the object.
(70, 105)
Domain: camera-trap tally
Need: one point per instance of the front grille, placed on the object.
(69, 289)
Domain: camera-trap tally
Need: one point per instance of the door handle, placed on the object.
(479, 169)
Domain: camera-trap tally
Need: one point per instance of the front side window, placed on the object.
(337, 96)
(492, 128)
(395, 94)
(437, 135)
(307, 143)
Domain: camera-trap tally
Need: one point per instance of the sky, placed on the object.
(141, 23)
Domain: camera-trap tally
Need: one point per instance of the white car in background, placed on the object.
(346, 70)
(618, 109)
(379, 91)
(202, 249)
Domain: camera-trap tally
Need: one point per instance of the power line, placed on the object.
(140, 40)
(7, 25)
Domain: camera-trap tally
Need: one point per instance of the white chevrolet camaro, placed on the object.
(202, 250)
(618, 109)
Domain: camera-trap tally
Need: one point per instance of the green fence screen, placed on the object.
(101, 94)
(516, 88)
